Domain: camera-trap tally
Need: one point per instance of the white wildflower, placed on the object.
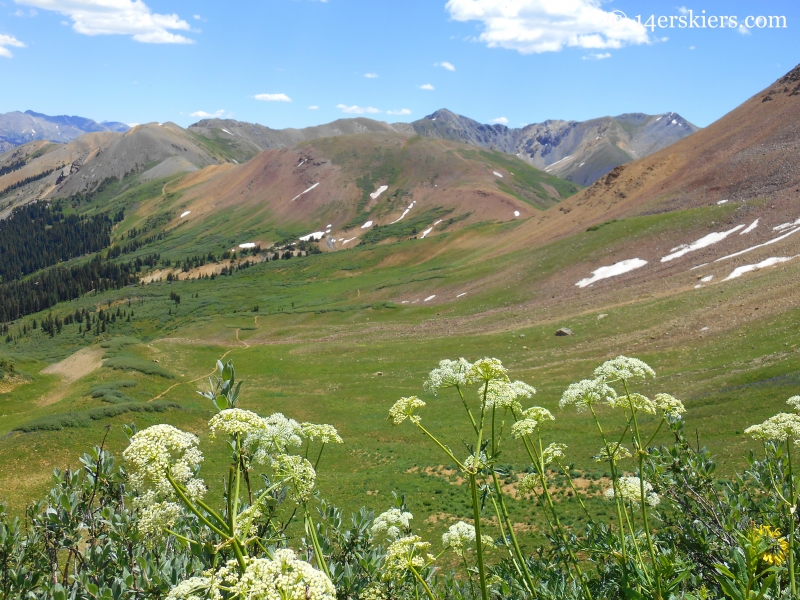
(531, 419)
(394, 522)
(246, 522)
(296, 473)
(637, 402)
(162, 449)
(460, 537)
(794, 402)
(285, 577)
(617, 452)
(326, 434)
(629, 489)
(485, 370)
(669, 405)
(504, 395)
(374, 591)
(586, 393)
(450, 373)
(235, 421)
(196, 588)
(404, 409)
(553, 453)
(528, 483)
(475, 465)
(405, 553)
(624, 368)
(155, 517)
(278, 434)
(781, 427)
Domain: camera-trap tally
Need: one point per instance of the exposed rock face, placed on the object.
(564, 332)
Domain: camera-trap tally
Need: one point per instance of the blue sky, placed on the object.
(510, 61)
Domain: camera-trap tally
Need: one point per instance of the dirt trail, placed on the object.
(71, 369)
(224, 356)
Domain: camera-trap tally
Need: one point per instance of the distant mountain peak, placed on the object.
(18, 128)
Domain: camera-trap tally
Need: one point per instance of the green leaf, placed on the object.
(221, 402)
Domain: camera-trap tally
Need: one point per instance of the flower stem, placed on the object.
(476, 510)
(424, 583)
(515, 544)
(792, 582)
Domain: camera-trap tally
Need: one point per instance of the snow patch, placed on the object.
(247, 246)
(707, 279)
(516, 213)
(580, 165)
(426, 232)
(405, 212)
(611, 271)
(783, 226)
(496, 174)
(560, 161)
(226, 131)
(186, 214)
(674, 122)
(316, 236)
(378, 192)
(703, 242)
(777, 239)
(367, 225)
(750, 227)
(429, 298)
(722, 202)
(347, 241)
(459, 296)
(308, 190)
(739, 271)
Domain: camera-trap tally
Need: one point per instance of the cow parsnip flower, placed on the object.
(375, 591)
(449, 373)
(629, 489)
(196, 588)
(296, 473)
(504, 395)
(588, 392)
(528, 483)
(460, 538)
(404, 409)
(794, 402)
(233, 421)
(635, 402)
(531, 419)
(781, 427)
(553, 453)
(669, 405)
(615, 451)
(326, 434)
(471, 463)
(277, 436)
(285, 577)
(155, 516)
(405, 553)
(157, 450)
(485, 370)
(393, 523)
(246, 521)
(623, 368)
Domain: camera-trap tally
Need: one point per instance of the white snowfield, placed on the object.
(619, 268)
(770, 262)
(347, 241)
(308, 190)
(783, 226)
(463, 294)
(707, 279)
(429, 298)
(405, 212)
(746, 250)
(516, 213)
(751, 227)
(226, 131)
(316, 236)
(426, 232)
(722, 202)
(562, 160)
(374, 195)
(186, 214)
(496, 174)
(247, 246)
(367, 225)
(703, 242)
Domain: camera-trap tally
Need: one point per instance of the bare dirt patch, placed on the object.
(11, 382)
(71, 369)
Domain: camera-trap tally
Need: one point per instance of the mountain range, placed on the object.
(17, 128)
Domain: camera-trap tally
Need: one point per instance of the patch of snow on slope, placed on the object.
(316, 236)
(745, 251)
(347, 241)
(378, 192)
(619, 268)
(366, 225)
(783, 226)
(247, 245)
(463, 294)
(186, 214)
(405, 212)
(429, 298)
(516, 213)
(560, 161)
(707, 279)
(226, 131)
(426, 232)
(750, 227)
(739, 271)
(496, 174)
(703, 242)
(674, 122)
(722, 202)
(308, 190)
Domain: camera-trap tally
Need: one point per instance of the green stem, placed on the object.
(312, 532)
(466, 407)
(319, 456)
(515, 544)
(476, 510)
(575, 491)
(424, 583)
(792, 582)
(444, 448)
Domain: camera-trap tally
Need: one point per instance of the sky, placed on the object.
(296, 63)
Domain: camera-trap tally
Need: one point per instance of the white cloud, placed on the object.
(500, 121)
(692, 47)
(535, 26)
(371, 75)
(21, 13)
(402, 111)
(201, 114)
(118, 17)
(445, 65)
(313, 107)
(357, 110)
(597, 56)
(744, 30)
(8, 40)
(683, 10)
(272, 97)
(428, 87)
